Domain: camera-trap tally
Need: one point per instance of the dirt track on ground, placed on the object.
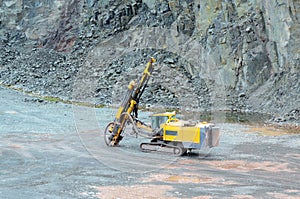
(54, 150)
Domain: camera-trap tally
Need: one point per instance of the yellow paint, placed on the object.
(184, 134)
(131, 107)
(168, 114)
(142, 126)
(120, 110)
(131, 85)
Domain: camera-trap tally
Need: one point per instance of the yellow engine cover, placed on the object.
(179, 133)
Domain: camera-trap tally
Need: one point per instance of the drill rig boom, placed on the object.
(128, 106)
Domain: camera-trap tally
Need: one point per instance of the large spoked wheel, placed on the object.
(108, 134)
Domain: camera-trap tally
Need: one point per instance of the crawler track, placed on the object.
(162, 148)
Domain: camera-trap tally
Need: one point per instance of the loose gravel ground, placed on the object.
(55, 150)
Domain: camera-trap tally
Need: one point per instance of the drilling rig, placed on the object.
(166, 132)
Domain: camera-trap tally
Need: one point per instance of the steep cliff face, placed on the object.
(239, 54)
(51, 24)
(255, 44)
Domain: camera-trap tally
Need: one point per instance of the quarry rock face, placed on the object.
(233, 55)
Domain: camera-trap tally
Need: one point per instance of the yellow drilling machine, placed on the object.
(166, 132)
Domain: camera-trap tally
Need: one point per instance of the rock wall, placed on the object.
(245, 54)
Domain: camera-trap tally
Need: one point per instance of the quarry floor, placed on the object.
(55, 150)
